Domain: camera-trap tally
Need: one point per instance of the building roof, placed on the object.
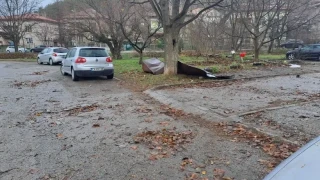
(31, 17)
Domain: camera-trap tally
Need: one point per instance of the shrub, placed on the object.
(235, 65)
(18, 56)
(215, 69)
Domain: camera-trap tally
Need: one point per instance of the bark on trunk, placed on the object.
(115, 51)
(16, 45)
(256, 48)
(141, 57)
(171, 37)
(270, 46)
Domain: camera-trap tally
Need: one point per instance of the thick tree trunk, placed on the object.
(256, 48)
(270, 46)
(141, 57)
(16, 45)
(115, 49)
(171, 50)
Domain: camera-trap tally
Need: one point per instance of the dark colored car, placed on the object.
(311, 51)
(38, 49)
(292, 43)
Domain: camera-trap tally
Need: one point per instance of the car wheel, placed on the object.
(110, 76)
(62, 72)
(38, 61)
(74, 76)
(31, 51)
(291, 57)
(8, 51)
(51, 62)
(20, 51)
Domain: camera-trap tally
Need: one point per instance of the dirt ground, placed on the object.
(53, 128)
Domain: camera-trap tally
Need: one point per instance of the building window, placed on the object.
(28, 28)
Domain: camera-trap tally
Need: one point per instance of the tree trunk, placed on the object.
(16, 45)
(256, 48)
(270, 46)
(141, 57)
(171, 50)
(115, 51)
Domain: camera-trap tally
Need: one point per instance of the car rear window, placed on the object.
(93, 52)
(60, 50)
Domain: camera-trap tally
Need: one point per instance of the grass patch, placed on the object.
(130, 71)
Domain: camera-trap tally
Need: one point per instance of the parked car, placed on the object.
(292, 43)
(10, 49)
(38, 49)
(52, 55)
(311, 51)
(87, 62)
(303, 164)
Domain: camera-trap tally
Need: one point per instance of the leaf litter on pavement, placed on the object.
(164, 143)
(77, 110)
(29, 83)
(275, 148)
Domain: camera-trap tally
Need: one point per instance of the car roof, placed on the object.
(89, 47)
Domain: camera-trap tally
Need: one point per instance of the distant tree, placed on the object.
(137, 28)
(101, 24)
(267, 20)
(16, 19)
(44, 31)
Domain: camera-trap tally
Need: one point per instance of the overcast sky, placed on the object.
(46, 2)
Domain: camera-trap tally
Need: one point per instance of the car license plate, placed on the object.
(97, 69)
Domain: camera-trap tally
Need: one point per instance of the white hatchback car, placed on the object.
(52, 55)
(87, 62)
(10, 49)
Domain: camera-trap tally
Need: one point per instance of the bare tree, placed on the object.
(137, 29)
(174, 15)
(267, 20)
(16, 19)
(101, 25)
(44, 31)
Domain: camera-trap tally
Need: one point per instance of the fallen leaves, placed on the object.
(163, 143)
(39, 72)
(280, 151)
(134, 147)
(169, 111)
(77, 110)
(59, 135)
(29, 83)
(143, 109)
(96, 125)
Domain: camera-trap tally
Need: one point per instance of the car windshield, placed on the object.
(60, 50)
(93, 52)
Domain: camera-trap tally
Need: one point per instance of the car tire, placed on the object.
(74, 76)
(38, 61)
(291, 57)
(51, 62)
(110, 76)
(62, 72)
(8, 51)
(20, 51)
(31, 51)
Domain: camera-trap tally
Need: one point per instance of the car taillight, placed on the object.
(81, 60)
(109, 59)
(55, 54)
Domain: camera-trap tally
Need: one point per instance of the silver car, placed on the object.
(87, 62)
(52, 55)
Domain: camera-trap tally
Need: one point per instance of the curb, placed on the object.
(225, 80)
